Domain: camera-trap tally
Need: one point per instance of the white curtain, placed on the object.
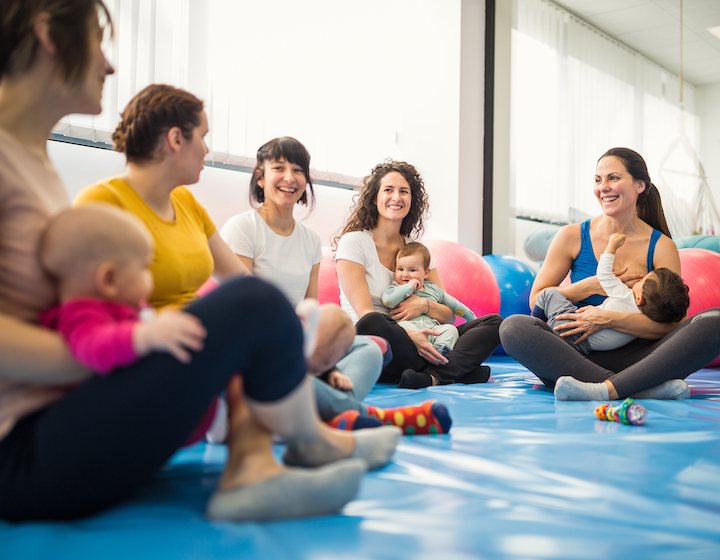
(346, 79)
(576, 93)
(151, 45)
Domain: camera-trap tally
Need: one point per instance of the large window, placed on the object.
(576, 93)
(356, 82)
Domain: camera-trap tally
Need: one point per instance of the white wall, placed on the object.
(222, 192)
(707, 100)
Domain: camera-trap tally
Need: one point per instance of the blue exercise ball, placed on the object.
(515, 279)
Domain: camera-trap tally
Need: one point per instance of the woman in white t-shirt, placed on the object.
(276, 247)
(389, 211)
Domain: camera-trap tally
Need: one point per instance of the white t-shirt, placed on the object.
(359, 247)
(286, 262)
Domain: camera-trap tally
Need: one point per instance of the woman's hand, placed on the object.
(409, 308)
(424, 348)
(587, 320)
(628, 278)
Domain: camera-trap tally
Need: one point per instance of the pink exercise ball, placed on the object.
(466, 276)
(328, 286)
(701, 273)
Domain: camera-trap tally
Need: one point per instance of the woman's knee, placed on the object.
(711, 315)
(512, 328)
(374, 323)
(245, 300)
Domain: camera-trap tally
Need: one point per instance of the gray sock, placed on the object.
(293, 493)
(570, 389)
(374, 445)
(673, 389)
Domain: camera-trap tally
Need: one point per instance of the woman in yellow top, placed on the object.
(162, 135)
(73, 443)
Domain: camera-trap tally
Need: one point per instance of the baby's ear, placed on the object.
(106, 279)
(639, 300)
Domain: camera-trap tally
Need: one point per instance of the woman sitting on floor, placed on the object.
(390, 209)
(654, 365)
(73, 443)
(276, 247)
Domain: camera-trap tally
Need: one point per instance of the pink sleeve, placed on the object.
(98, 338)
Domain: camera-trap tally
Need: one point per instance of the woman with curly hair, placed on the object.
(388, 214)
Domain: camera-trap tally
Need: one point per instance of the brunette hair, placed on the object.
(666, 296)
(69, 30)
(290, 150)
(365, 214)
(415, 248)
(150, 115)
(649, 205)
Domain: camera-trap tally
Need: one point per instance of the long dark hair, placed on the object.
(290, 150)
(649, 205)
(365, 214)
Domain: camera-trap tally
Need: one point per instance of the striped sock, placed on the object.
(430, 417)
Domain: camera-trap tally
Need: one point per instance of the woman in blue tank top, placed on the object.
(654, 364)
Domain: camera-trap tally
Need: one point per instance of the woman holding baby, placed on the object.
(389, 212)
(73, 443)
(654, 364)
(275, 246)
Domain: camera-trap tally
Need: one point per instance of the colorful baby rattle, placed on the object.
(629, 412)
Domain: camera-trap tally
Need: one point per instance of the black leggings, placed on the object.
(478, 339)
(638, 365)
(96, 446)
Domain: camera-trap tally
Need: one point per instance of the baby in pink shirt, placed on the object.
(99, 257)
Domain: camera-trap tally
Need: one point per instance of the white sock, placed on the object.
(673, 389)
(570, 389)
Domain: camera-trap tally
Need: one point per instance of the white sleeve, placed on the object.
(350, 248)
(620, 297)
(239, 233)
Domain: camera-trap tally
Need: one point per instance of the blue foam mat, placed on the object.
(520, 476)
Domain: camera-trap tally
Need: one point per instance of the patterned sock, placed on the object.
(384, 347)
(430, 417)
(353, 420)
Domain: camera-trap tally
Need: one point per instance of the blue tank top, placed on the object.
(585, 264)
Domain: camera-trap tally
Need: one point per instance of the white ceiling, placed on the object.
(652, 27)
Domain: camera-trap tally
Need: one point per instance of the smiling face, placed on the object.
(411, 267)
(394, 198)
(615, 188)
(283, 183)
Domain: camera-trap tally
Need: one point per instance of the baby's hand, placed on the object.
(615, 242)
(171, 331)
(339, 380)
(415, 283)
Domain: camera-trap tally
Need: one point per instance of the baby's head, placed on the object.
(662, 296)
(412, 263)
(98, 250)
(335, 335)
